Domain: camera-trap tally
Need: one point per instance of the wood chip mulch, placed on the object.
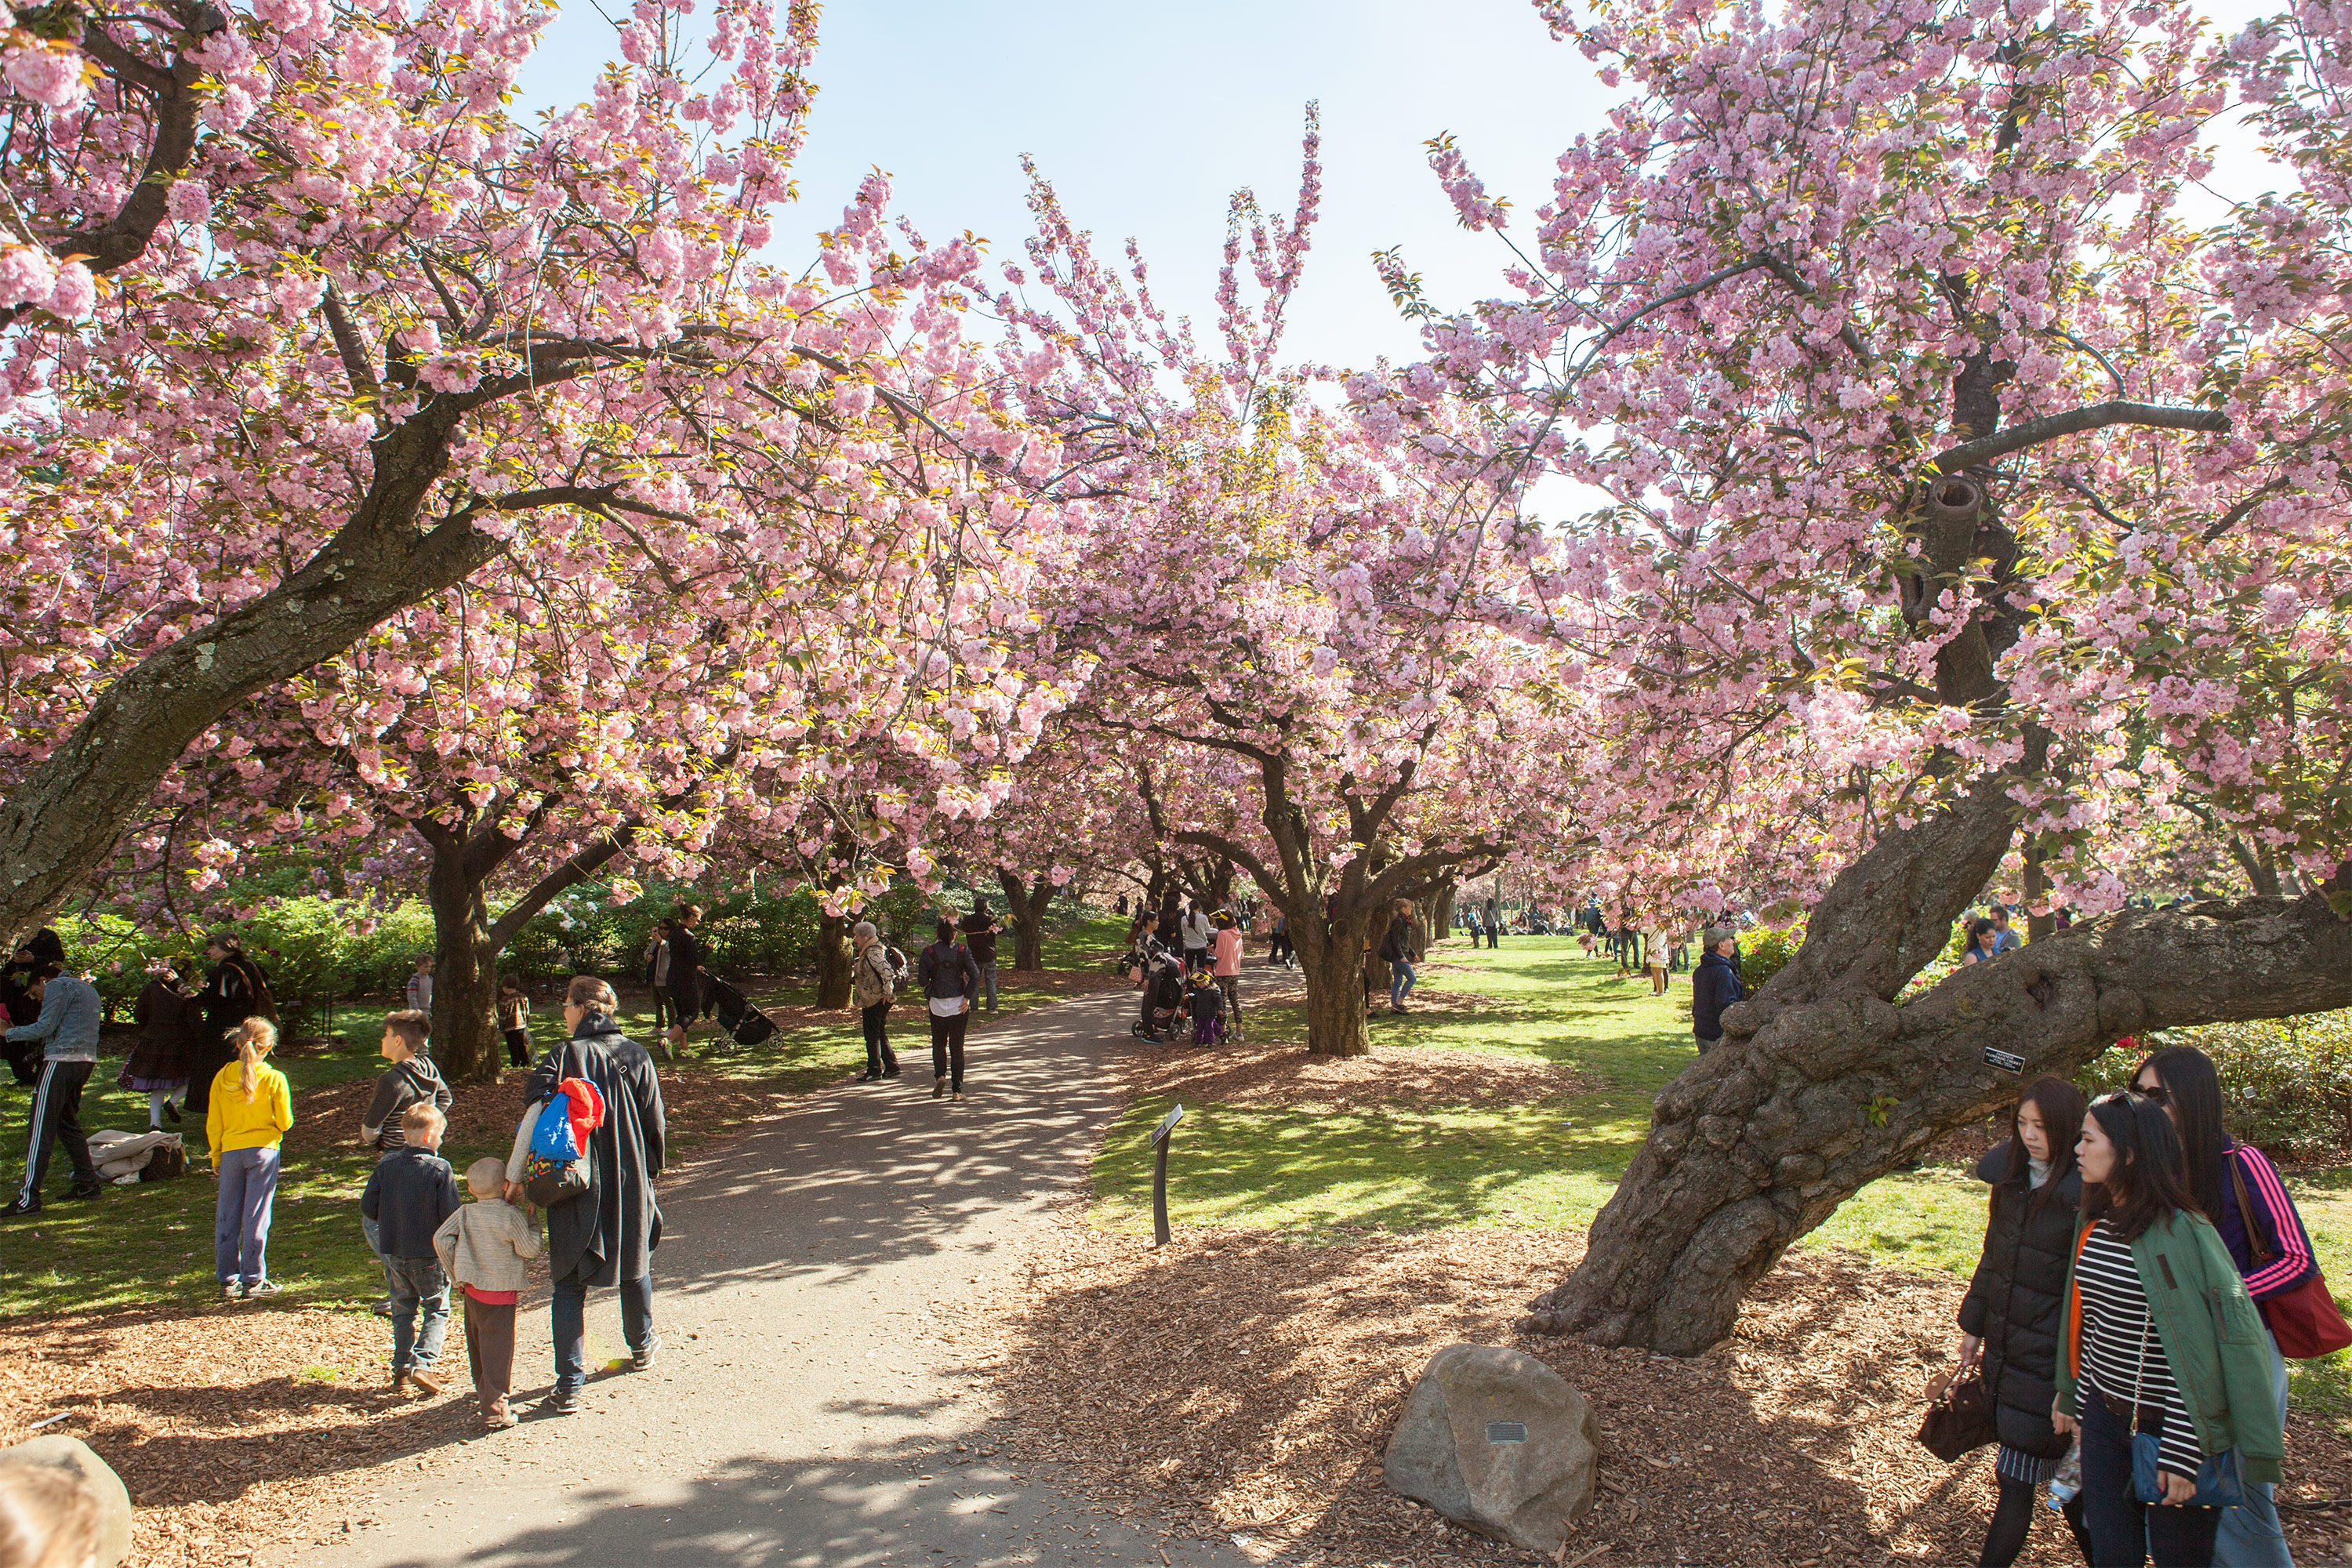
(1242, 1388)
(1284, 1074)
(236, 1429)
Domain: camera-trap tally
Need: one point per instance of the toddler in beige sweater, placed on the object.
(483, 1249)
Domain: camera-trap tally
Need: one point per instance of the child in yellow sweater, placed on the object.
(252, 1106)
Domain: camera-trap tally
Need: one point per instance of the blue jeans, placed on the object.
(417, 1283)
(568, 1317)
(2125, 1532)
(988, 983)
(1400, 979)
(2250, 1536)
(248, 1190)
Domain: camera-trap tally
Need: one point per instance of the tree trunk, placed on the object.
(1443, 919)
(1822, 1084)
(832, 987)
(464, 970)
(1026, 902)
(1331, 962)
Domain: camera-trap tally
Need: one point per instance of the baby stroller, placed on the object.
(737, 1015)
(1163, 1006)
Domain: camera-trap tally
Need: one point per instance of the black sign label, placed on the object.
(2007, 1061)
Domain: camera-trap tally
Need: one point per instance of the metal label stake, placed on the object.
(1159, 1176)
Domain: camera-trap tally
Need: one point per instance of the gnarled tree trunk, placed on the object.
(1822, 1083)
(1026, 902)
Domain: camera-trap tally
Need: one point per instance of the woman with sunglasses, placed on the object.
(2242, 1189)
(2162, 1339)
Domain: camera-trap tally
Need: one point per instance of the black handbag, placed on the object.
(1959, 1421)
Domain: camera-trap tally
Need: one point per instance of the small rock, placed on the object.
(39, 1475)
(1498, 1442)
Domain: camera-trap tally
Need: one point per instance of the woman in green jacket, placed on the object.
(2161, 1339)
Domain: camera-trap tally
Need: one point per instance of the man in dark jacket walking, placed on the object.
(1714, 985)
(607, 1235)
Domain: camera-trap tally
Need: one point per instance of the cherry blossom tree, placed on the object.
(307, 327)
(1953, 463)
(1312, 631)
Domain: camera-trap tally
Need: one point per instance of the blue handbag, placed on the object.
(2218, 1484)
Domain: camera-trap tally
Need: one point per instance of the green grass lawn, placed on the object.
(153, 1241)
(1547, 1165)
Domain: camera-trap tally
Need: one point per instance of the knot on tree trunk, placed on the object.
(1953, 499)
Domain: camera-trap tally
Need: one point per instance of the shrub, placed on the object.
(2286, 1083)
(1765, 950)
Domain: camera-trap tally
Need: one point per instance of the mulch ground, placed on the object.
(1238, 1385)
(236, 1429)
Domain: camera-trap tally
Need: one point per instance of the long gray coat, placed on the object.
(609, 1231)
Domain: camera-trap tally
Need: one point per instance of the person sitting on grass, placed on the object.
(409, 1193)
(482, 1249)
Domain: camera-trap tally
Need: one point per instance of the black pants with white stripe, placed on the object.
(56, 1114)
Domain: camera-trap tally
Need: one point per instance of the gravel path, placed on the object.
(810, 1405)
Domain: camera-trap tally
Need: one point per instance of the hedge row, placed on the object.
(321, 951)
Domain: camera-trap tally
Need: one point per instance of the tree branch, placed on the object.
(2098, 417)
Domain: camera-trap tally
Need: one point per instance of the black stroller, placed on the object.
(1162, 1013)
(737, 1012)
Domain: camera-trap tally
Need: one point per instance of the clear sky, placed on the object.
(1148, 117)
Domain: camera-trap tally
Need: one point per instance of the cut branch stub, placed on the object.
(1954, 499)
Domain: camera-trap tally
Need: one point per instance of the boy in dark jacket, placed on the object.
(1714, 985)
(409, 1193)
(412, 1079)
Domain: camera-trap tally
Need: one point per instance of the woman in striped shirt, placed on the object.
(2266, 1241)
(2162, 1340)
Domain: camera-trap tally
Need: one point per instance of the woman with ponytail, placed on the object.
(250, 1108)
(2163, 1344)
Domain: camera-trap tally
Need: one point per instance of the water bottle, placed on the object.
(2069, 1479)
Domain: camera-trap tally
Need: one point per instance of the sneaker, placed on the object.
(382, 1308)
(232, 1291)
(562, 1401)
(82, 1192)
(869, 1078)
(261, 1290)
(958, 1094)
(889, 1073)
(939, 1087)
(425, 1378)
(20, 1209)
(400, 1381)
(642, 1361)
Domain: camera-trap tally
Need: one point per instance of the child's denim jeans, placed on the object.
(416, 1282)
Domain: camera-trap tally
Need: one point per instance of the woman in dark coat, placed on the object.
(607, 1235)
(2014, 1317)
(171, 1025)
(234, 991)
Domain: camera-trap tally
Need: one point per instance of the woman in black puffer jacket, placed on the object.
(2014, 1314)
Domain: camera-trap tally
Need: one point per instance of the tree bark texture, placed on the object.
(1026, 902)
(1823, 1083)
(465, 969)
(833, 978)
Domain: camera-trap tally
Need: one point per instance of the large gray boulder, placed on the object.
(1497, 1440)
(61, 1505)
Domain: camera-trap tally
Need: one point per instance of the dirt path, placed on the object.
(812, 1404)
